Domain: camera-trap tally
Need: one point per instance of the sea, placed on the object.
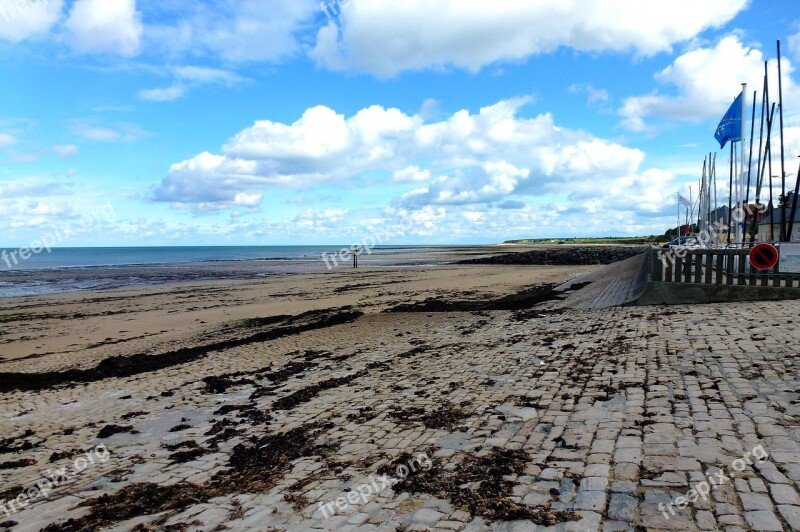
(136, 256)
(74, 269)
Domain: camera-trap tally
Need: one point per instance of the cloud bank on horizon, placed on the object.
(281, 122)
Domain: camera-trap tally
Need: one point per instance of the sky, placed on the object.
(266, 122)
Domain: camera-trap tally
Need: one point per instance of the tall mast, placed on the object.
(740, 189)
(714, 168)
(749, 168)
(783, 167)
(794, 206)
(701, 211)
(730, 197)
(768, 152)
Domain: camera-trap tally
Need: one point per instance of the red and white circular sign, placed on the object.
(764, 257)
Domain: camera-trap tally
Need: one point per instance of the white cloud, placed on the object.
(481, 158)
(96, 132)
(105, 26)
(27, 19)
(386, 37)
(188, 77)
(705, 82)
(314, 219)
(485, 184)
(7, 140)
(205, 75)
(649, 191)
(411, 174)
(66, 150)
(30, 187)
(594, 95)
(240, 31)
(794, 46)
(167, 94)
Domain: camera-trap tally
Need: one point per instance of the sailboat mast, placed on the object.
(783, 167)
(701, 211)
(740, 186)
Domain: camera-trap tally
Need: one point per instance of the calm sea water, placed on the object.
(94, 257)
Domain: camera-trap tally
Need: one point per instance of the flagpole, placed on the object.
(730, 197)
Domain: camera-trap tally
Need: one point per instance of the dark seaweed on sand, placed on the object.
(127, 366)
(565, 256)
(255, 467)
(13, 444)
(306, 394)
(110, 430)
(16, 464)
(520, 301)
(445, 417)
(477, 485)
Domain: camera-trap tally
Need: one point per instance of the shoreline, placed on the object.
(40, 282)
(35, 282)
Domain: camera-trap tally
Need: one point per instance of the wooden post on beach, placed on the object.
(355, 258)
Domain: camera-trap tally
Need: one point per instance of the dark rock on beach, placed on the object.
(566, 256)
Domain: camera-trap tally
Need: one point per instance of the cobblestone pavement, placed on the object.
(618, 414)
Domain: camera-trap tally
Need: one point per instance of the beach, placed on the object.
(402, 397)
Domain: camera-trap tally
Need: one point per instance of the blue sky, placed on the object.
(268, 123)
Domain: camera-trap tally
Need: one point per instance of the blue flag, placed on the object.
(731, 126)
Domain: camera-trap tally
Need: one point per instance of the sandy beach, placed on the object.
(456, 397)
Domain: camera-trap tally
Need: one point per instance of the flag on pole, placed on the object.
(683, 201)
(730, 128)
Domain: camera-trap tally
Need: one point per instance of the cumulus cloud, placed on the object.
(386, 37)
(794, 45)
(487, 183)
(209, 181)
(704, 82)
(27, 19)
(466, 159)
(103, 26)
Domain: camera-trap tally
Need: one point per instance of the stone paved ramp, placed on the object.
(615, 285)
